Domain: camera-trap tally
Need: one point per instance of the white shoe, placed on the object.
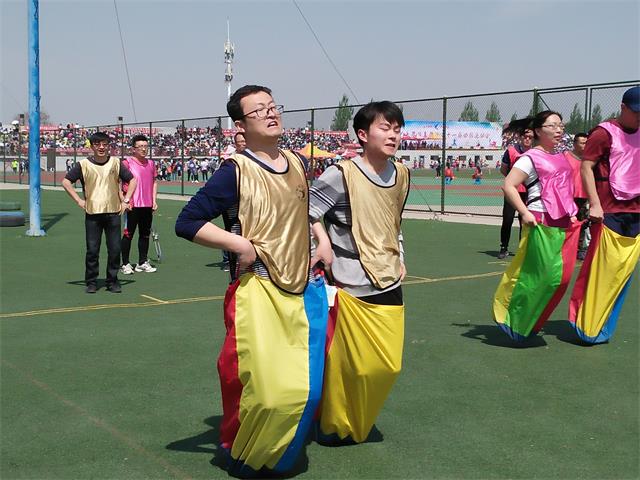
(126, 269)
(145, 267)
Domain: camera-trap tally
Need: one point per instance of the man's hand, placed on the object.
(81, 203)
(323, 254)
(596, 214)
(403, 271)
(155, 206)
(246, 253)
(124, 207)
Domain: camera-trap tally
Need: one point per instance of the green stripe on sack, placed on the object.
(540, 275)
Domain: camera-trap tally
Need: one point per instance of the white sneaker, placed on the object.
(145, 267)
(126, 269)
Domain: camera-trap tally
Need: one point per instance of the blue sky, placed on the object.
(384, 49)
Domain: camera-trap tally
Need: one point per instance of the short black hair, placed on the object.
(367, 114)
(234, 109)
(138, 138)
(99, 137)
(580, 135)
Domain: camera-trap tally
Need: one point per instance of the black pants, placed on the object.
(137, 217)
(583, 214)
(626, 224)
(508, 213)
(392, 297)
(109, 223)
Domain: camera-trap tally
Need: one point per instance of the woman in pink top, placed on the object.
(547, 176)
(539, 275)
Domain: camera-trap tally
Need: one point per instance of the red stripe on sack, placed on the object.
(230, 384)
(569, 253)
(579, 288)
(331, 325)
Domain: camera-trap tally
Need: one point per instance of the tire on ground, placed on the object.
(9, 206)
(11, 219)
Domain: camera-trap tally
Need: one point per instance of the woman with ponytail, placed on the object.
(536, 280)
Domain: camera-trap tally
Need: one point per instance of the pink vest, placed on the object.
(513, 156)
(576, 163)
(556, 182)
(145, 174)
(624, 162)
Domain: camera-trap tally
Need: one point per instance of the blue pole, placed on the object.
(34, 122)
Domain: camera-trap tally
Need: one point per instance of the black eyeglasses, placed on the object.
(263, 112)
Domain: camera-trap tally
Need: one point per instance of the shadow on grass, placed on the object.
(48, 221)
(492, 335)
(333, 440)
(491, 253)
(565, 332)
(495, 253)
(208, 442)
(100, 283)
(219, 265)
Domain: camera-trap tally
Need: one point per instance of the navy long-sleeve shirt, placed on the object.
(219, 196)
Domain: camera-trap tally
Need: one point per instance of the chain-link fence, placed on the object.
(453, 145)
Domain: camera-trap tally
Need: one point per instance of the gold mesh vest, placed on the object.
(376, 213)
(101, 186)
(273, 211)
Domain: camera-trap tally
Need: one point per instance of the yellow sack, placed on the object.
(363, 361)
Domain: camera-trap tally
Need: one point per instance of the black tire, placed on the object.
(11, 219)
(9, 206)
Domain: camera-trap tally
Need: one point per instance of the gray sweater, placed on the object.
(328, 198)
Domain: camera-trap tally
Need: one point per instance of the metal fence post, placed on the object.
(590, 108)
(20, 154)
(121, 121)
(312, 162)
(4, 157)
(75, 145)
(55, 156)
(443, 161)
(220, 140)
(150, 140)
(183, 134)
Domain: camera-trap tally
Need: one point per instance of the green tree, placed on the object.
(342, 115)
(596, 116)
(576, 121)
(493, 114)
(469, 113)
(535, 107)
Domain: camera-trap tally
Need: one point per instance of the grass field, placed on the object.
(125, 386)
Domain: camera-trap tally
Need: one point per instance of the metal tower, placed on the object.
(228, 72)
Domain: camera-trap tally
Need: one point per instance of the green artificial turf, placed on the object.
(125, 386)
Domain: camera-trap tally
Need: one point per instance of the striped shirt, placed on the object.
(329, 199)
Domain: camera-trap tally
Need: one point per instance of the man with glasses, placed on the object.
(271, 363)
(100, 176)
(508, 211)
(143, 204)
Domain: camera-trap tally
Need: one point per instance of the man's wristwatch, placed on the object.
(126, 200)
